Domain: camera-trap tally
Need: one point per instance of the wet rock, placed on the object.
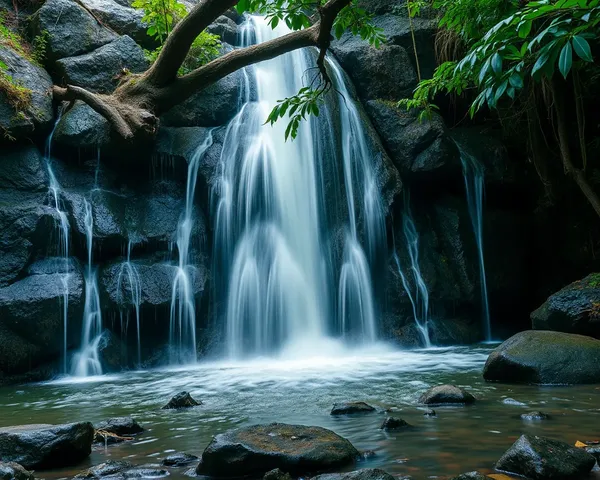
(258, 449)
(46, 446)
(533, 416)
(145, 471)
(179, 460)
(82, 127)
(541, 458)
(120, 426)
(38, 115)
(368, 454)
(225, 28)
(574, 309)
(23, 169)
(512, 401)
(446, 395)
(393, 423)
(472, 476)
(351, 408)
(541, 357)
(364, 474)
(181, 400)
(100, 70)
(593, 448)
(430, 413)
(211, 107)
(71, 29)
(111, 468)
(123, 19)
(277, 474)
(14, 471)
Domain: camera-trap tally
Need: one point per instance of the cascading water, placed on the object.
(182, 332)
(63, 236)
(474, 175)
(131, 276)
(419, 299)
(270, 218)
(87, 361)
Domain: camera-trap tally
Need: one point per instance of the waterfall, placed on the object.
(420, 298)
(130, 273)
(182, 331)
(87, 361)
(474, 174)
(271, 217)
(63, 236)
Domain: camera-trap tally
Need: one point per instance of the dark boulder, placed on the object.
(211, 107)
(446, 395)
(71, 30)
(351, 408)
(574, 309)
(258, 449)
(393, 423)
(22, 168)
(123, 19)
(46, 446)
(364, 474)
(277, 474)
(541, 357)
(181, 400)
(111, 468)
(100, 70)
(37, 116)
(120, 426)
(14, 471)
(534, 416)
(82, 127)
(179, 460)
(541, 458)
(225, 28)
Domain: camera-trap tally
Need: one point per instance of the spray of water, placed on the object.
(475, 186)
(182, 333)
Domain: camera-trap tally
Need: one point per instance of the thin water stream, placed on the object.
(459, 439)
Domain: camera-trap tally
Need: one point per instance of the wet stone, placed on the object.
(430, 413)
(146, 471)
(364, 474)
(393, 423)
(120, 426)
(277, 474)
(111, 468)
(446, 395)
(512, 401)
(179, 459)
(351, 408)
(181, 400)
(14, 471)
(472, 476)
(533, 416)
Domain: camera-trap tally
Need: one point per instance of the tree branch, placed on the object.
(72, 93)
(181, 38)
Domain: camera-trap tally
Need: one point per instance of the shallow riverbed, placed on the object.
(459, 439)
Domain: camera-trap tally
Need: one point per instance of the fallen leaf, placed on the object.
(579, 444)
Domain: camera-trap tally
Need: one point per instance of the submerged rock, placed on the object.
(145, 471)
(122, 427)
(512, 401)
(181, 400)
(574, 309)
(541, 357)
(351, 408)
(364, 474)
(46, 446)
(472, 476)
(258, 449)
(393, 423)
(430, 413)
(179, 460)
(446, 395)
(541, 458)
(14, 471)
(532, 416)
(111, 468)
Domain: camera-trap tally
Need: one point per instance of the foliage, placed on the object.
(206, 47)
(160, 16)
(12, 39)
(40, 46)
(298, 108)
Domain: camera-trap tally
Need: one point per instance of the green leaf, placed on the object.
(541, 61)
(565, 62)
(525, 28)
(497, 63)
(582, 48)
(516, 81)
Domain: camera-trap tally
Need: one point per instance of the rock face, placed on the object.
(541, 458)
(181, 400)
(541, 357)
(14, 471)
(100, 70)
(446, 395)
(350, 408)
(38, 114)
(574, 309)
(82, 127)
(58, 18)
(364, 474)
(258, 449)
(46, 446)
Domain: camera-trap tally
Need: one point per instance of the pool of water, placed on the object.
(303, 391)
